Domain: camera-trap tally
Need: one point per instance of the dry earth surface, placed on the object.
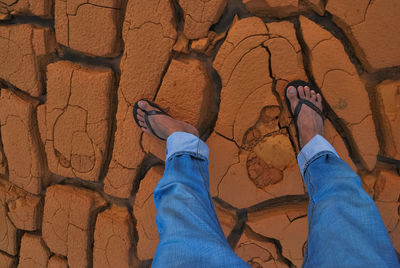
(76, 173)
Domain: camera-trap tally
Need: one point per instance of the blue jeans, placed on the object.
(345, 227)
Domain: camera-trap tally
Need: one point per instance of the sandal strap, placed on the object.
(154, 112)
(309, 104)
(151, 113)
(146, 119)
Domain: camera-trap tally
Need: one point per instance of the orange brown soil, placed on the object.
(77, 174)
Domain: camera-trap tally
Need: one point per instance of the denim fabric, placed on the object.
(180, 142)
(315, 146)
(188, 227)
(345, 228)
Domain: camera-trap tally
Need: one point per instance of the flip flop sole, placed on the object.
(135, 108)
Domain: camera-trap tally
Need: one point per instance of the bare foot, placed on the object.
(309, 122)
(163, 125)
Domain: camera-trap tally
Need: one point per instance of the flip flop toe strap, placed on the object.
(309, 104)
(146, 119)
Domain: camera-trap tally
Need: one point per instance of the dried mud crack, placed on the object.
(77, 175)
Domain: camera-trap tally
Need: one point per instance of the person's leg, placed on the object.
(188, 227)
(345, 227)
(190, 234)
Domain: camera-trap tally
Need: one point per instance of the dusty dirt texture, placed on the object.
(258, 251)
(371, 28)
(40, 8)
(77, 175)
(77, 119)
(23, 209)
(8, 232)
(226, 217)
(144, 212)
(242, 52)
(21, 142)
(259, 50)
(113, 238)
(69, 213)
(90, 26)
(331, 135)
(282, 9)
(207, 44)
(199, 15)
(23, 62)
(188, 80)
(223, 154)
(181, 45)
(33, 252)
(389, 105)
(264, 8)
(387, 197)
(3, 162)
(57, 262)
(149, 35)
(288, 225)
(7, 261)
(249, 182)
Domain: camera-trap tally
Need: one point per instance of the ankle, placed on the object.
(307, 138)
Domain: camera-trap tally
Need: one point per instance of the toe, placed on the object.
(142, 124)
(140, 115)
(313, 96)
(307, 92)
(292, 96)
(143, 105)
(140, 112)
(300, 89)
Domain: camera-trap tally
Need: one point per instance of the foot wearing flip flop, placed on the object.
(309, 122)
(163, 125)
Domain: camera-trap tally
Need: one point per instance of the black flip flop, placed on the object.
(147, 114)
(297, 109)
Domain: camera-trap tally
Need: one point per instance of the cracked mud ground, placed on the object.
(76, 173)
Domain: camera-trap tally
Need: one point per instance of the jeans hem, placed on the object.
(191, 153)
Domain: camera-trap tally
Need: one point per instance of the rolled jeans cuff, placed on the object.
(316, 146)
(182, 142)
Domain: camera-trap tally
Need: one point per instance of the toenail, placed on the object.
(291, 90)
